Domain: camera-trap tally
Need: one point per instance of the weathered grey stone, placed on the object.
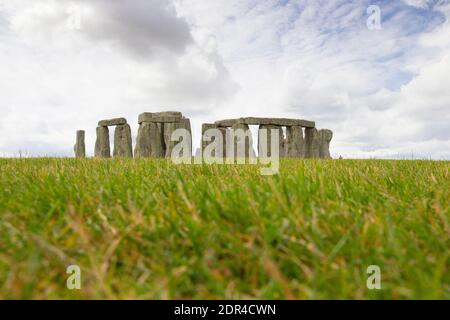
(122, 142)
(284, 147)
(228, 123)
(204, 144)
(325, 137)
(269, 152)
(295, 143)
(150, 141)
(164, 114)
(160, 117)
(312, 143)
(80, 146)
(249, 152)
(283, 122)
(187, 124)
(169, 128)
(188, 127)
(112, 122)
(102, 147)
(164, 120)
(206, 127)
(143, 148)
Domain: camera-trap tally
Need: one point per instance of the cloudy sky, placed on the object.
(385, 92)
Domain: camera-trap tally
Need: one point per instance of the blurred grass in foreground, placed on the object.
(148, 229)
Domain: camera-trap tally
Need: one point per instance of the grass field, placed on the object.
(147, 229)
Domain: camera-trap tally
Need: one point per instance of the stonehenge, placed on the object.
(296, 138)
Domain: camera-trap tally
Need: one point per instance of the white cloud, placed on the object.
(317, 60)
(127, 58)
(382, 92)
(418, 3)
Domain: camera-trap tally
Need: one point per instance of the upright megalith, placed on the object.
(188, 127)
(80, 146)
(266, 150)
(143, 144)
(312, 143)
(122, 141)
(149, 141)
(242, 141)
(295, 142)
(205, 137)
(325, 137)
(215, 136)
(102, 147)
(170, 128)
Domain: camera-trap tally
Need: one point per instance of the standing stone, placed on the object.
(280, 141)
(143, 148)
(169, 129)
(122, 141)
(285, 147)
(188, 127)
(312, 143)
(224, 132)
(102, 147)
(205, 128)
(80, 146)
(249, 152)
(325, 137)
(150, 142)
(204, 144)
(295, 143)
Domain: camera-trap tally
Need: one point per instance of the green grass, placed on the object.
(147, 229)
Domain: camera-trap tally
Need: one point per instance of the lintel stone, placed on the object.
(283, 122)
(161, 117)
(112, 122)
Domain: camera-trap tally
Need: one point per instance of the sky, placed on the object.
(383, 89)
